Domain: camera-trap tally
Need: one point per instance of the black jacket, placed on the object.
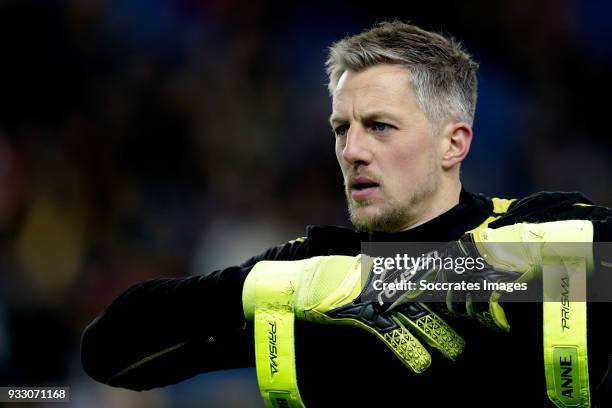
(166, 330)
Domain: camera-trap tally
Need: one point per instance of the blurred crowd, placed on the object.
(141, 139)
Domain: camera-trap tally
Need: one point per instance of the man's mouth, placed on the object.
(362, 188)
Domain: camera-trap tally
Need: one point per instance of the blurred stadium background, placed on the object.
(141, 139)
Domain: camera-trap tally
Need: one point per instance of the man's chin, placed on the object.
(371, 218)
(365, 217)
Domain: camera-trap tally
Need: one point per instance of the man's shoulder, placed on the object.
(319, 240)
(332, 240)
(547, 206)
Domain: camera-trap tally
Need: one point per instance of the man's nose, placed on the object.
(356, 148)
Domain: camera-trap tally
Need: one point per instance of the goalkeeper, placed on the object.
(403, 102)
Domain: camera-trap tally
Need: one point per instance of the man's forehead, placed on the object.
(378, 87)
(384, 76)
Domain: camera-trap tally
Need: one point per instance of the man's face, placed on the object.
(389, 156)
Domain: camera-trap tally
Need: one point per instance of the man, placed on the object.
(403, 102)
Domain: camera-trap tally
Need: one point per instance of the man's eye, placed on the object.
(379, 127)
(341, 130)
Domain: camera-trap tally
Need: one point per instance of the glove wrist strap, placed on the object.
(275, 340)
(565, 333)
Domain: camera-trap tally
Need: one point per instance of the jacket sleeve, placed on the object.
(166, 330)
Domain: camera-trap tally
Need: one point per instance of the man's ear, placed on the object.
(457, 139)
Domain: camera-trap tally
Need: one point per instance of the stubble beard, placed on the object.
(393, 216)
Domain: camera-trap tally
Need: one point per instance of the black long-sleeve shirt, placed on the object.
(166, 330)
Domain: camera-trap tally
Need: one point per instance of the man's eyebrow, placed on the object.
(378, 115)
(368, 117)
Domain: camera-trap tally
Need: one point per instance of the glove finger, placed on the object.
(431, 328)
(498, 315)
(389, 329)
(456, 302)
(489, 313)
(407, 347)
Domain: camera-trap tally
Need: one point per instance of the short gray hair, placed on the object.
(443, 74)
